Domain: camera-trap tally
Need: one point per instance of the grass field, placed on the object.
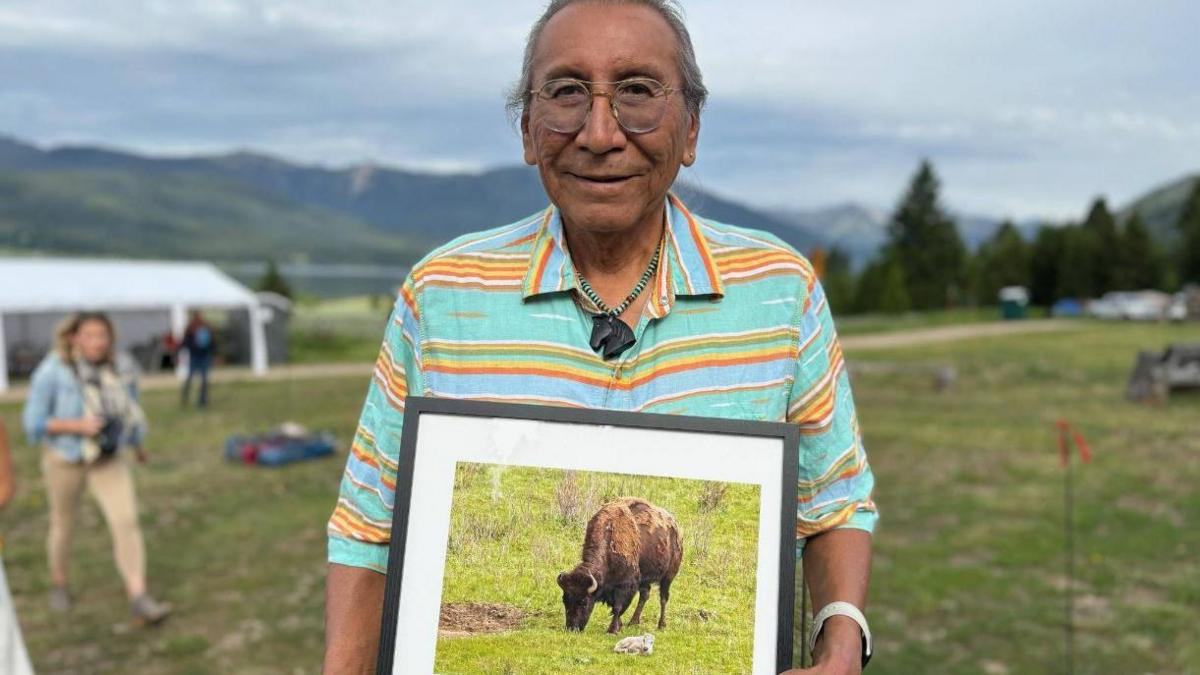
(968, 574)
(239, 550)
(339, 330)
(514, 529)
(349, 328)
(969, 566)
(865, 324)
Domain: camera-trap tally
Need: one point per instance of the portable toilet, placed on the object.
(1014, 301)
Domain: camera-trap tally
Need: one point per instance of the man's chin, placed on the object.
(600, 218)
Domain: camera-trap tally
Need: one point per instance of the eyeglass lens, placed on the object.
(639, 104)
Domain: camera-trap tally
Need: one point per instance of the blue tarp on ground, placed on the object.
(275, 449)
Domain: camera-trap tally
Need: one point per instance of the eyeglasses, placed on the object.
(639, 103)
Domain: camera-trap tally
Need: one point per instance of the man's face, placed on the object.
(603, 178)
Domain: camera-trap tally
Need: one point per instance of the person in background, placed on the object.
(14, 659)
(83, 411)
(170, 351)
(200, 344)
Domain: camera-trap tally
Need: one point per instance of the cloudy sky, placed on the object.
(1028, 108)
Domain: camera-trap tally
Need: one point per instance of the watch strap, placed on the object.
(840, 608)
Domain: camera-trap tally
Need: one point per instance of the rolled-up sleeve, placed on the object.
(38, 405)
(835, 482)
(360, 527)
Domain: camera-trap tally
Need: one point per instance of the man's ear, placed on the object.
(692, 139)
(527, 140)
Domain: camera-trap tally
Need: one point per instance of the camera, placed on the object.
(109, 438)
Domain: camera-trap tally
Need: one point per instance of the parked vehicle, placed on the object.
(1131, 306)
(1178, 309)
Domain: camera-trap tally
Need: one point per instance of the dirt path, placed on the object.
(904, 338)
(926, 336)
(307, 371)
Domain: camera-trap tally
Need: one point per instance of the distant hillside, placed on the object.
(1161, 206)
(108, 212)
(852, 228)
(422, 209)
(244, 206)
(860, 231)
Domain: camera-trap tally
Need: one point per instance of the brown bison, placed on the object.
(630, 544)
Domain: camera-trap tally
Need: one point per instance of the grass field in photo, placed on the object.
(513, 529)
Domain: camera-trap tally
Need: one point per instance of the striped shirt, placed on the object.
(736, 326)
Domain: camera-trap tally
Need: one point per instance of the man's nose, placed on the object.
(601, 132)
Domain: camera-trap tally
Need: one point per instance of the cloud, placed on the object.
(1026, 107)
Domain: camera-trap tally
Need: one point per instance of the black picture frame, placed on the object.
(415, 406)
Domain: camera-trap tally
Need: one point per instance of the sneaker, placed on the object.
(60, 599)
(147, 611)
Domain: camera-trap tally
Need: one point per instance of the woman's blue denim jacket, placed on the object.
(55, 393)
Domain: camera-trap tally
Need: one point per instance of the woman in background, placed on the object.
(14, 658)
(83, 410)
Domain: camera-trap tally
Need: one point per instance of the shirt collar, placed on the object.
(687, 266)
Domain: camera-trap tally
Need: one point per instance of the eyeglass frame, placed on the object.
(612, 102)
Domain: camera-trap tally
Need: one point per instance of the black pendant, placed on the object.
(610, 336)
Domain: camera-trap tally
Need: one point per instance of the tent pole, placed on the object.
(258, 339)
(3, 357)
(178, 328)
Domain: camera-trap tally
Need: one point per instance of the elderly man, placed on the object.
(615, 296)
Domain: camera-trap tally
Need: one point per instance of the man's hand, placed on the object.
(140, 453)
(838, 650)
(828, 669)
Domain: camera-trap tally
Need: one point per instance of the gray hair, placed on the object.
(694, 92)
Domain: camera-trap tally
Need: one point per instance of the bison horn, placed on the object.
(594, 586)
(560, 577)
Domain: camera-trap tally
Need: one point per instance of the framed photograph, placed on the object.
(534, 539)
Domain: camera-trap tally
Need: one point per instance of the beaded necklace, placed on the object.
(610, 335)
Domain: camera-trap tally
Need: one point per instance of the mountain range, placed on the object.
(1161, 207)
(79, 199)
(244, 206)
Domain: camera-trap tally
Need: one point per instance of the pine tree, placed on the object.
(1189, 234)
(1048, 247)
(973, 279)
(838, 281)
(1004, 260)
(1105, 242)
(924, 241)
(274, 282)
(1141, 264)
(882, 287)
(1077, 264)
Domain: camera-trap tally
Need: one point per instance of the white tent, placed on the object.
(40, 285)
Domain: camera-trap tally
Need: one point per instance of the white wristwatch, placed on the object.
(843, 609)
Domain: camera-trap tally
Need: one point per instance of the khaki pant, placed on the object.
(111, 483)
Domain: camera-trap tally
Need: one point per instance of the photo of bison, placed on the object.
(608, 538)
(629, 545)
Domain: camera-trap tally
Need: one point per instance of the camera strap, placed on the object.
(104, 396)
